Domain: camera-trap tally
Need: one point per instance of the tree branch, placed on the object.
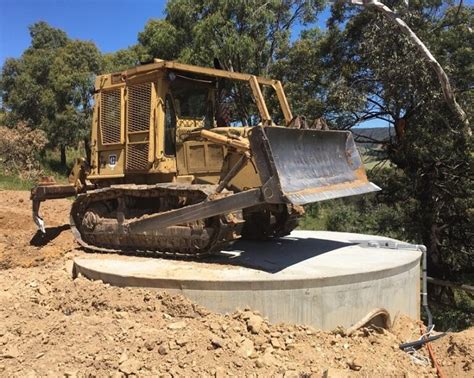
(442, 77)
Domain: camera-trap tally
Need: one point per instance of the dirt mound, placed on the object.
(54, 325)
(455, 353)
(20, 243)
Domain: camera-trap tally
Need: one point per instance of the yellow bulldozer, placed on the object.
(178, 169)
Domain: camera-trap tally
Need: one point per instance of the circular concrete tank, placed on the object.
(323, 279)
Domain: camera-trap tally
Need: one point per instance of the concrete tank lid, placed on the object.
(327, 257)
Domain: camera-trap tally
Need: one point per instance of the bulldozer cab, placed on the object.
(142, 115)
(200, 101)
(192, 104)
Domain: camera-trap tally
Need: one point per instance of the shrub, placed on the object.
(19, 150)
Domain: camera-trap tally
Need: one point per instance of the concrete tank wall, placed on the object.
(323, 306)
(321, 279)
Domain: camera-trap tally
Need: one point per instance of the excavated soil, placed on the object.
(20, 243)
(52, 325)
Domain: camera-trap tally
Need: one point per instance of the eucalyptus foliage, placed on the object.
(50, 85)
(366, 69)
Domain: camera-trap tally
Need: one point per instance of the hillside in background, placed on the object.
(368, 137)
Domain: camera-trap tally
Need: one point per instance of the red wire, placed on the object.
(432, 356)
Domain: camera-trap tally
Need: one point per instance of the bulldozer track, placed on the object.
(96, 209)
(96, 217)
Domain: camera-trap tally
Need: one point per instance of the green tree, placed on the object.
(121, 60)
(304, 74)
(72, 80)
(50, 86)
(368, 70)
(244, 36)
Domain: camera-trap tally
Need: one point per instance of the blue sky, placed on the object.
(111, 24)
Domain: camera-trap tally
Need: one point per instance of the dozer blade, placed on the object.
(305, 166)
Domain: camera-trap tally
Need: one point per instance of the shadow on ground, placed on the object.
(270, 256)
(275, 255)
(40, 239)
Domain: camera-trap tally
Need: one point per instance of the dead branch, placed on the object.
(442, 77)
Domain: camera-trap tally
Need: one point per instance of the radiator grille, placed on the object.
(110, 117)
(137, 156)
(138, 121)
(139, 103)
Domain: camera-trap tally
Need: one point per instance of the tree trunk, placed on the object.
(423, 50)
(87, 147)
(429, 208)
(63, 155)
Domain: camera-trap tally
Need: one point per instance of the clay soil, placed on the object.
(52, 325)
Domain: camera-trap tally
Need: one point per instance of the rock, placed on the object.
(172, 345)
(217, 342)
(42, 290)
(10, 352)
(335, 373)
(269, 350)
(163, 350)
(130, 366)
(149, 345)
(238, 363)
(265, 328)
(246, 349)
(182, 364)
(260, 340)
(30, 373)
(291, 374)
(268, 359)
(177, 325)
(121, 315)
(372, 339)
(237, 329)
(190, 348)
(182, 341)
(354, 364)
(220, 372)
(70, 374)
(254, 323)
(276, 343)
(123, 357)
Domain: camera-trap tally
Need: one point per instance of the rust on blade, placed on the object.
(330, 187)
(306, 166)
